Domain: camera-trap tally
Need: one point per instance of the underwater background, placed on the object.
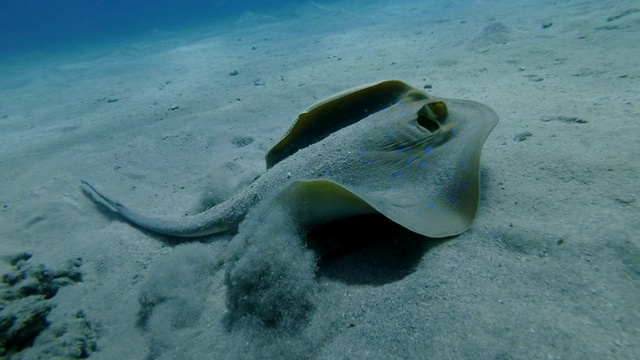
(171, 106)
(40, 25)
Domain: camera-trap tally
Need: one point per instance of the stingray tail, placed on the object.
(189, 226)
(99, 197)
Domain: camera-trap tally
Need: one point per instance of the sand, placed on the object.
(550, 269)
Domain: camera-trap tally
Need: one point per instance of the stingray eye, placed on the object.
(439, 109)
(432, 115)
(427, 123)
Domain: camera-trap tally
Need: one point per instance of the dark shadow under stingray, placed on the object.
(367, 250)
(100, 206)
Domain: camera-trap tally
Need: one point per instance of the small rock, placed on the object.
(547, 25)
(17, 258)
(522, 136)
(625, 199)
(241, 141)
(623, 14)
(565, 119)
(609, 27)
(534, 78)
(234, 73)
(174, 107)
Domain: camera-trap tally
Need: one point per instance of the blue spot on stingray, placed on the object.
(463, 185)
(398, 175)
(410, 160)
(423, 165)
(452, 199)
(362, 151)
(370, 162)
(391, 134)
(404, 112)
(453, 131)
(401, 104)
(431, 206)
(428, 149)
(466, 152)
(464, 164)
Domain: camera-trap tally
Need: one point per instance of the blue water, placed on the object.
(53, 25)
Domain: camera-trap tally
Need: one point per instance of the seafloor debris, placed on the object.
(522, 136)
(26, 291)
(565, 119)
(623, 14)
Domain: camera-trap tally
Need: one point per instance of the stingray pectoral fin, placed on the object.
(315, 202)
(337, 112)
(419, 165)
(188, 226)
(440, 217)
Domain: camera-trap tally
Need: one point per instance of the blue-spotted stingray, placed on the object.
(383, 148)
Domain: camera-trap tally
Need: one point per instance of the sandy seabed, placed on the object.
(550, 269)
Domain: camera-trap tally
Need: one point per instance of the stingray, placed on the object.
(384, 148)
